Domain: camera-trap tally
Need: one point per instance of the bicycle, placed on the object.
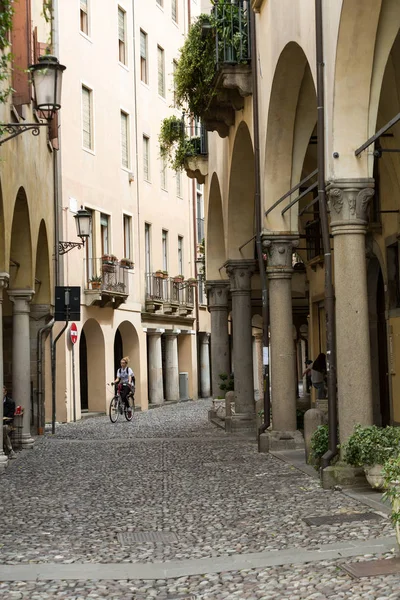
(119, 406)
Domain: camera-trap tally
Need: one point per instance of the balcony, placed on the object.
(106, 282)
(168, 295)
(196, 157)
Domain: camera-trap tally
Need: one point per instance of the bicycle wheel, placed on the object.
(114, 409)
(128, 412)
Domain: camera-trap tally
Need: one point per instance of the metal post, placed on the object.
(53, 363)
(73, 382)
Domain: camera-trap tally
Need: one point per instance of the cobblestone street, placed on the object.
(233, 519)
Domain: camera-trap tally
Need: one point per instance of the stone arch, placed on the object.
(92, 364)
(353, 73)
(130, 347)
(291, 120)
(21, 268)
(215, 240)
(240, 222)
(42, 270)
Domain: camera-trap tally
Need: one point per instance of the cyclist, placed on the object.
(126, 378)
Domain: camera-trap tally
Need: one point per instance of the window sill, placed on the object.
(123, 66)
(89, 151)
(85, 36)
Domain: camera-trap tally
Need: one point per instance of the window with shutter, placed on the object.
(124, 140)
(127, 237)
(180, 254)
(87, 133)
(174, 10)
(160, 3)
(164, 173)
(147, 247)
(179, 184)
(21, 53)
(146, 158)
(121, 36)
(143, 56)
(174, 66)
(84, 16)
(161, 72)
(104, 225)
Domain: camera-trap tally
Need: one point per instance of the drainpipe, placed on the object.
(258, 208)
(329, 292)
(137, 144)
(55, 39)
(39, 350)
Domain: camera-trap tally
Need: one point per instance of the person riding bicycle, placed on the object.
(126, 378)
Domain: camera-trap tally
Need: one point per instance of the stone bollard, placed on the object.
(229, 397)
(312, 418)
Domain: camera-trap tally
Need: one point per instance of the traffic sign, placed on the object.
(73, 333)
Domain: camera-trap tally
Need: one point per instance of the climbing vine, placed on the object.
(6, 20)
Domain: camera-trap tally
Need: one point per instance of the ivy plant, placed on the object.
(175, 146)
(6, 21)
(391, 473)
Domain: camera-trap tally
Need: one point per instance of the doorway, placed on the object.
(83, 371)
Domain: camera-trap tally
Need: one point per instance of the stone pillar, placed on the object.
(218, 295)
(156, 392)
(171, 364)
(258, 351)
(240, 273)
(3, 458)
(279, 248)
(21, 359)
(205, 389)
(349, 207)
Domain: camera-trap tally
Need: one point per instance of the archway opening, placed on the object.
(21, 246)
(126, 343)
(92, 367)
(215, 240)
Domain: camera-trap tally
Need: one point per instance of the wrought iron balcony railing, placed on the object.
(166, 289)
(106, 276)
(232, 32)
(314, 239)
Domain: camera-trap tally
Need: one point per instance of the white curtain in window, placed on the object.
(86, 118)
(124, 140)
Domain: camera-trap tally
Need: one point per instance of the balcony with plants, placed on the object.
(213, 73)
(107, 281)
(169, 295)
(183, 142)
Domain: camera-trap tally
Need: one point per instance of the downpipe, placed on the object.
(329, 292)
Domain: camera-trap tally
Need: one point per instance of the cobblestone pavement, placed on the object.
(171, 471)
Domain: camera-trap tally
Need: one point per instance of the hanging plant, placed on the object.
(6, 21)
(175, 146)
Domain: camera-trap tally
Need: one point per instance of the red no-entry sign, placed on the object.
(73, 332)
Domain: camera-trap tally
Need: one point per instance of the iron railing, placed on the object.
(232, 32)
(106, 276)
(165, 289)
(314, 239)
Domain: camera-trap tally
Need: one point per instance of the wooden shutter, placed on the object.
(21, 50)
(86, 118)
(161, 85)
(174, 12)
(124, 140)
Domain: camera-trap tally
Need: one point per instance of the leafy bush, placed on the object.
(391, 473)
(227, 384)
(371, 445)
(319, 442)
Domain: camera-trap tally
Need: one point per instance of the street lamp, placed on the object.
(47, 78)
(83, 222)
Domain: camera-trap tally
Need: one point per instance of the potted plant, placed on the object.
(370, 447)
(192, 281)
(391, 474)
(165, 274)
(126, 263)
(95, 282)
(159, 273)
(178, 278)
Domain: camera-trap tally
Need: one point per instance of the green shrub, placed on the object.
(371, 445)
(319, 442)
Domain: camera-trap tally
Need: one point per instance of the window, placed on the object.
(200, 212)
(84, 17)
(146, 158)
(165, 250)
(127, 237)
(174, 66)
(180, 254)
(124, 140)
(87, 118)
(143, 57)
(121, 36)
(161, 71)
(104, 231)
(174, 10)
(90, 266)
(160, 3)
(147, 249)
(164, 174)
(179, 184)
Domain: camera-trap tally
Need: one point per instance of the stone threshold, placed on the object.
(190, 567)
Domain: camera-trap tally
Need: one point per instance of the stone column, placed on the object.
(240, 273)
(218, 295)
(171, 364)
(205, 389)
(21, 359)
(156, 392)
(3, 458)
(258, 351)
(349, 206)
(279, 248)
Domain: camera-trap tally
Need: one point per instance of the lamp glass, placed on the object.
(83, 220)
(47, 80)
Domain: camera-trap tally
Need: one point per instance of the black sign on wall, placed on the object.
(67, 303)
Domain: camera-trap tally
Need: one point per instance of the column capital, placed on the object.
(240, 273)
(4, 279)
(172, 332)
(217, 294)
(154, 331)
(279, 247)
(349, 201)
(21, 300)
(205, 337)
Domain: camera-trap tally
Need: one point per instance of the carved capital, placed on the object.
(4, 279)
(279, 249)
(240, 273)
(349, 201)
(217, 294)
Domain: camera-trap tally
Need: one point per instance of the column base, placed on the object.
(344, 475)
(241, 423)
(27, 441)
(3, 463)
(273, 441)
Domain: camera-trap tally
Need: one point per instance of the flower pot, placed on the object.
(109, 268)
(159, 274)
(96, 285)
(374, 476)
